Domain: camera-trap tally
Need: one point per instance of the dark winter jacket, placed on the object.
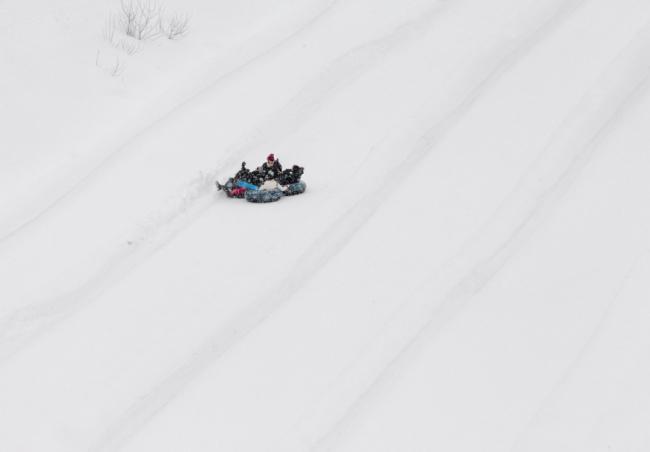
(271, 171)
(291, 175)
(243, 173)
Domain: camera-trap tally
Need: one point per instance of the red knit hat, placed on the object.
(271, 157)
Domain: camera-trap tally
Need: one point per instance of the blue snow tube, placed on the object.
(296, 189)
(246, 185)
(263, 195)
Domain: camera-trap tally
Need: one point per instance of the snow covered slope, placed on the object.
(469, 269)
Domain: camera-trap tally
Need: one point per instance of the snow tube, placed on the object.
(296, 189)
(263, 195)
(246, 185)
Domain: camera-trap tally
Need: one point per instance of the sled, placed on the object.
(295, 189)
(259, 196)
(269, 191)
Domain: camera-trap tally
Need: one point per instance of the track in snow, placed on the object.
(542, 188)
(326, 247)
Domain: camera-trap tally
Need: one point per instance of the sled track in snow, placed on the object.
(294, 114)
(83, 181)
(20, 327)
(323, 249)
(529, 205)
(25, 325)
(629, 275)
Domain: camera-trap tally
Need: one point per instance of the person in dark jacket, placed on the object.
(243, 174)
(272, 168)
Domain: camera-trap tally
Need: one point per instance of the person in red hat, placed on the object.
(272, 168)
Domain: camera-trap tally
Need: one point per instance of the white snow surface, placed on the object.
(469, 269)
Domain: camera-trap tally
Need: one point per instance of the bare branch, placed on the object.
(144, 20)
(117, 69)
(176, 27)
(140, 18)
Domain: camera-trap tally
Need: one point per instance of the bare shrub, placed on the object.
(176, 26)
(115, 69)
(129, 46)
(109, 29)
(141, 19)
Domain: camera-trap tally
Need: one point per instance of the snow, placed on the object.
(468, 270)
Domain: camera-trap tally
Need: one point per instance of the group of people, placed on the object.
(270, 172)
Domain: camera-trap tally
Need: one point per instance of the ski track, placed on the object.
(104, 162)
(437, 315)
(586, 348)
(23, 326)
(325, 248)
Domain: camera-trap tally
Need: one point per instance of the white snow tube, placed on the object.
(268, 192)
